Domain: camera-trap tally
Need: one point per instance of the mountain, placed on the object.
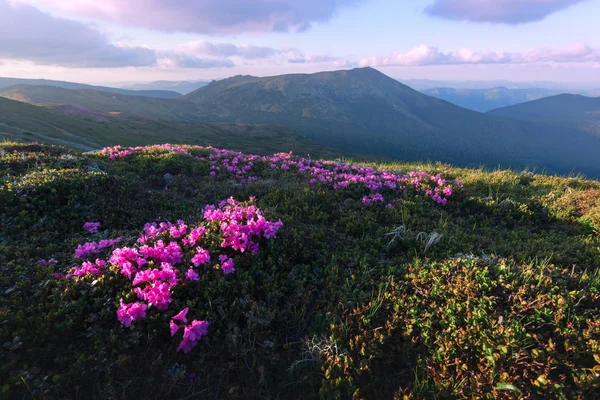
(564, 110)
(92, 99)
(365, 111)
(183, 87)
(85, 129)
(359, 111)
(157, 93)
(484, 100)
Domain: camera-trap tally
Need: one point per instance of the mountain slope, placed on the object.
(84, 129)
(156, 93)
(365, 111)
(92, 99)
(566, 109)
(183, 87)
(484, 100)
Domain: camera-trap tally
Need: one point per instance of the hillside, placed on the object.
(182, 87)
(566, 110)
(484, 100)
(84, 129)
(92, 99)
(156, 93)
(329, 280)
(363, 110)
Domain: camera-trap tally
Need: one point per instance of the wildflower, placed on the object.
(128, 313)
(202, 257)
(192, 334)
(91, 227)
(181, 316)
(191, 275)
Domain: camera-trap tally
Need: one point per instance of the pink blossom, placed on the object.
(191, 275)
(129, 312)
(91, 227)
(192, 334)
(228, 266)
(202, 257)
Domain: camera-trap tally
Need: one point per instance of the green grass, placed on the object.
(505, 304)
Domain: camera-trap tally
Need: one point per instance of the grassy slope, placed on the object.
(506, 302)
(88, 131)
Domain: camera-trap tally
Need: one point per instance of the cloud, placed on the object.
(29, 34)
(199, 48)
(511, 12)
(180, 60)
(425, 55)
(207, 16)
(246, 51)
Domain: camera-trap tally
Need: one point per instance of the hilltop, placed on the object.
(338, 279)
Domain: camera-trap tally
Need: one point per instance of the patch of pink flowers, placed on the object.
(85, 250)
(338, 175)
(168, 255)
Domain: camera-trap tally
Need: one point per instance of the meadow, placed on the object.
(177, 271)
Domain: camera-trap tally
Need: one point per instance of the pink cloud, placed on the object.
(511, 12)
(207, 16)
(425, 55)
(246, 51)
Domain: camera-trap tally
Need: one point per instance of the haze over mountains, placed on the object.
(359, 111)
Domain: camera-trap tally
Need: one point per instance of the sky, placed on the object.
(126, 41)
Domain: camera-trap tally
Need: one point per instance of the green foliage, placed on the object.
(504, 305)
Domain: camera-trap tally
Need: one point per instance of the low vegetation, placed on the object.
(387, 280)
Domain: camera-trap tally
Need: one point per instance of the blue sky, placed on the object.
(142, 40)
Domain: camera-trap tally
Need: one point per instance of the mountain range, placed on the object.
(359, 111)
(158, 93)
(565, 110)
(182, 87)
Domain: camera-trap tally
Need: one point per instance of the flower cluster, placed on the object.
(91, 227)
(338, 175)
(167, 255)
(85, 250)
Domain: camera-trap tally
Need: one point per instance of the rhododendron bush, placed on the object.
(338, 175)
(167, 256)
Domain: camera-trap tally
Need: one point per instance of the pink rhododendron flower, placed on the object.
(128, 313)
(192, 334)
(91, 227)
(202, 257)
(228, 266)
(191, 275)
